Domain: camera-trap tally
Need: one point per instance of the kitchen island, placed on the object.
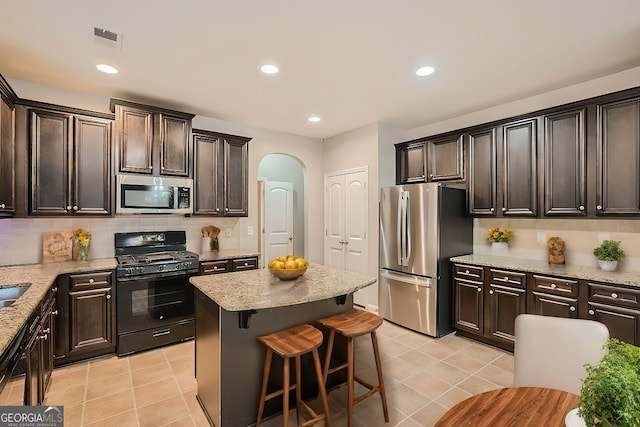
(233, 309)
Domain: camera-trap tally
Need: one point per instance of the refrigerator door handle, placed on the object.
(399, 228)
(411, 280)
(407, 244)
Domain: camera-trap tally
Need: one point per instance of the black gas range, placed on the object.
(154, 299)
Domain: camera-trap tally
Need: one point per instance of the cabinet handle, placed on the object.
(91, 280)
(2, 206)
(492, 210)
(599, 207)
(54, 313)
(215, 268)
(614, 295)
(466, 272)
(504, 209)
(68, 208)
(44, 337)
(581, 207)
(217, 209)
(553, 286)
(108, 296)
(572, 308)
(430, 175)
(480, 290)
(591, 312)
(54, 289)
(491, 291)
(246, 264)
(226, 209)
(506, 278)
(75, 208)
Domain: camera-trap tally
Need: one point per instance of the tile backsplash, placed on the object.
(581, 236)
(22, 238)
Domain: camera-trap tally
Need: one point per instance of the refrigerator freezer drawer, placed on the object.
(409, 301)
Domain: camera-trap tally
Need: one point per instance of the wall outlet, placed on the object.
(227, 232)
(542, 237)
(250, 230)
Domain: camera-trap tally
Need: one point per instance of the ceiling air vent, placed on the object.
(107, 37)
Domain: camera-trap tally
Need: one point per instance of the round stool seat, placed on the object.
(353, 323)
(294, 341)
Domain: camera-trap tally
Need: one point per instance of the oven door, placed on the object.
(149, 302)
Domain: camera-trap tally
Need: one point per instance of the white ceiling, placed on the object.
(351, 62)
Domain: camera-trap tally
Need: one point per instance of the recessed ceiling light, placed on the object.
(314, 119)
(269, 69)
(425, 71)
(107, 69)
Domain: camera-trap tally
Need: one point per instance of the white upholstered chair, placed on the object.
(551, 351)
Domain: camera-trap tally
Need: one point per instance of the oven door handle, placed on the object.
(161, 333)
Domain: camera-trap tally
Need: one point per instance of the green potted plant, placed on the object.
(610, 394)
(608, 254)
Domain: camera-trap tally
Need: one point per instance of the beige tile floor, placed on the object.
(423, 376)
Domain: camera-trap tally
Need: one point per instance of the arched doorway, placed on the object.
(281, 187)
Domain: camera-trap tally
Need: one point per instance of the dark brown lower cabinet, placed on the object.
(618, 308)
(469, 311)
(228, 265)
(86, 319)
(506, 300)
(553, 296)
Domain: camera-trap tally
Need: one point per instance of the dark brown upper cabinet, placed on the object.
(618, 158)
(519, 174)
(152, 140)
(432, 160)
(7, 144)
(221, 174)
(565, 179)
(70, 164)
(482, 172)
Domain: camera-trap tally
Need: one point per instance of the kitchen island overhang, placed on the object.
(233, 309)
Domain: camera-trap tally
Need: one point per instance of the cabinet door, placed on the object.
(92, 175)
(50, 145)
(242, 264)
(33, 359)
(505, 303)
(564, 164)
(7, 137)
(235, 177)
(519, 196)
(623, 323)
(468, 305)
(445, 158)
(47, 343)
(411, 162)
(90, 320)
(552, 305)
(175, 141)
(134, 139)
(215, 267)
(482, 173)
(618, 158)
(207, 167)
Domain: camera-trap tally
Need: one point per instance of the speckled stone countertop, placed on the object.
(259, 289)
(631, 278)
(226, 254)
(41, 277)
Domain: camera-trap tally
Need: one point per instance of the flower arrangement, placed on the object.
(81, 239)
(497, 235)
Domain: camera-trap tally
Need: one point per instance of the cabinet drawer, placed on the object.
(555, 286)
(468, 272)
(242, 264)
(100, 279)
(214, 267)
(614, 295)
(510, 278)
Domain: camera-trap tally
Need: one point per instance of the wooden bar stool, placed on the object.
(293, 343)
(354, 323)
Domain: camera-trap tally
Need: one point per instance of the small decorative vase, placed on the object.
(500, 248)
(573, 419)
(80, 251)
(608, 265)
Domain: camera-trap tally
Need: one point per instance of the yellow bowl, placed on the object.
(288, 274)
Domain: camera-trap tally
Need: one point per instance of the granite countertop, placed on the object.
(259, 289)
(226, 254)
(631, 278)
(41, 277)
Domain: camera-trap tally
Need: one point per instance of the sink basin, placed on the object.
(10, 294)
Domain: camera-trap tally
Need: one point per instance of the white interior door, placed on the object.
(346, 223)
(278, 227)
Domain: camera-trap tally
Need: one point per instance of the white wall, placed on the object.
(22, 237)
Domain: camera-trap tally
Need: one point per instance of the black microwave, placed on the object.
(141, 194)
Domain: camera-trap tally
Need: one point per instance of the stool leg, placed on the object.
(285, 389)
(321, 387)
(265, 380)
(350, 380)
(383, 395)
(298, 389)
(327, 359)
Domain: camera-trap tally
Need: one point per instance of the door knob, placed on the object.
(290, 238)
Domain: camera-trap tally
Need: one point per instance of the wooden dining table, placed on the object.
(517, 406)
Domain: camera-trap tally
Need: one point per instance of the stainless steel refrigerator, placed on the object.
(421, 227)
